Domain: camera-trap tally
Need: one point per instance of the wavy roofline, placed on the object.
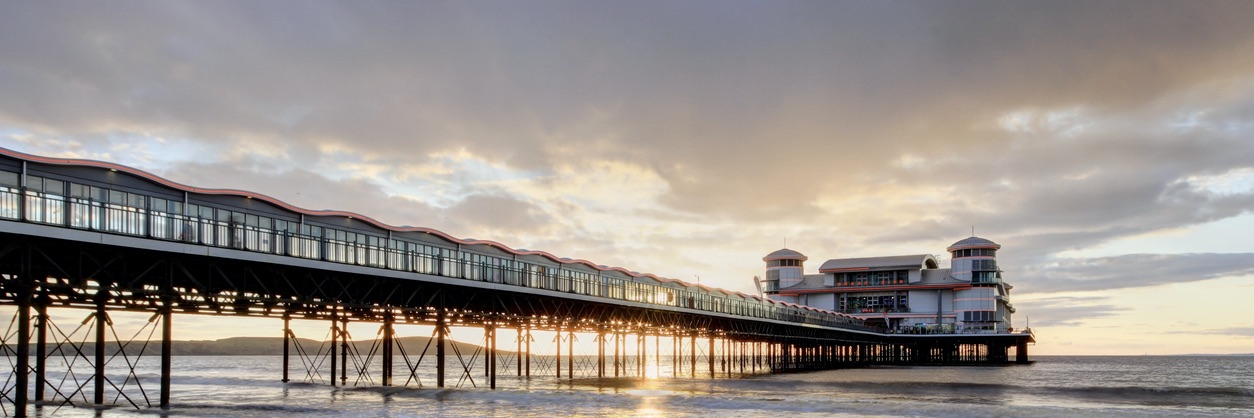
(310, 212)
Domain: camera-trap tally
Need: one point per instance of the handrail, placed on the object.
(126, 219)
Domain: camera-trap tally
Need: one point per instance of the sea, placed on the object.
(1053, 386)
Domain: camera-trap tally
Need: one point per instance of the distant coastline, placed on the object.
(265, 346)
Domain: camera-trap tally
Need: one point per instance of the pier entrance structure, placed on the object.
(101, 238)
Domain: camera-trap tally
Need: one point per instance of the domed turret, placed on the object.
(974, 259)
(783, 269)
(973, 242)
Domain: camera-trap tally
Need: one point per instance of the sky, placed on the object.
(1108, 146)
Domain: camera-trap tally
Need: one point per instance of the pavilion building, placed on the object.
(905, 293)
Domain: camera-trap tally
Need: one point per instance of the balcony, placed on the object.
(870, 283)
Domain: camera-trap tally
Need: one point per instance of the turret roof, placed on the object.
(785, 254)
(973, 242)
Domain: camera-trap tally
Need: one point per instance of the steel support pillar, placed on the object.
(41, 348)
(693, 348)
(557, 363)
(570, 352)
(674, 355)
(167, 347)
(102, 320)
(489, 336)
(287, 340)
(601, 353)
(527, 347)
(441, 331)
(710, 356)
(343, 351)
(644, 354)
(334, 339)
(389, 343)
(21, 370)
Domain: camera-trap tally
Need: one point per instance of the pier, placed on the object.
(100, 238)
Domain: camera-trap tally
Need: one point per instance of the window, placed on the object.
(979, 316)
(9, 179)
(983, 265)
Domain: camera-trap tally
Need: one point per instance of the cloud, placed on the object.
(659, 135)
(490, 213)
(1131, 270)
(1066, 311)
(1237, 332)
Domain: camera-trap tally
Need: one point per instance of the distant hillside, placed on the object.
(266, 346)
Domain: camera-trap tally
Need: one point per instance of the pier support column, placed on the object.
(527, 347)
(334, 338)
(287, 337)
(518, 351)
(618, 339)
(710, 357)
(640, 354)
(570, 351)
(693, 348)
(1021, 352)
(490, 343)
(441, 331)
(557, 362)
(41, 348)
(102, 320)
(389, 340)
(167, 347)
(343, 350)
(674, 355)
(601, 353)
(21, 370)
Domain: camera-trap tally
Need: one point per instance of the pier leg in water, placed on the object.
(287, 337)
(710, 356)
(102, 319)
(601, 353)
(389, 335)
(674, 355)
(334, 338)
(343, 351)
(527, 344)
(558, 362)
(41, 348)
(693, 347)
(441, 330)
(490, 337)
(570, 352)
(640, 359)
(518, 351)
(167, 347)
(21, 370)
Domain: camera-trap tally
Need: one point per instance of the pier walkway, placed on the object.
(101, 237)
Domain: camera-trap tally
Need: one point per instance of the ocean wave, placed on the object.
(1217, 396)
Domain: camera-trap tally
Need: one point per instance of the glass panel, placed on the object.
(35, 183)
(54, 186)
(10, 179)
(79, 190)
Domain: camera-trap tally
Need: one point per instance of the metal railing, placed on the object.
(89, 214)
